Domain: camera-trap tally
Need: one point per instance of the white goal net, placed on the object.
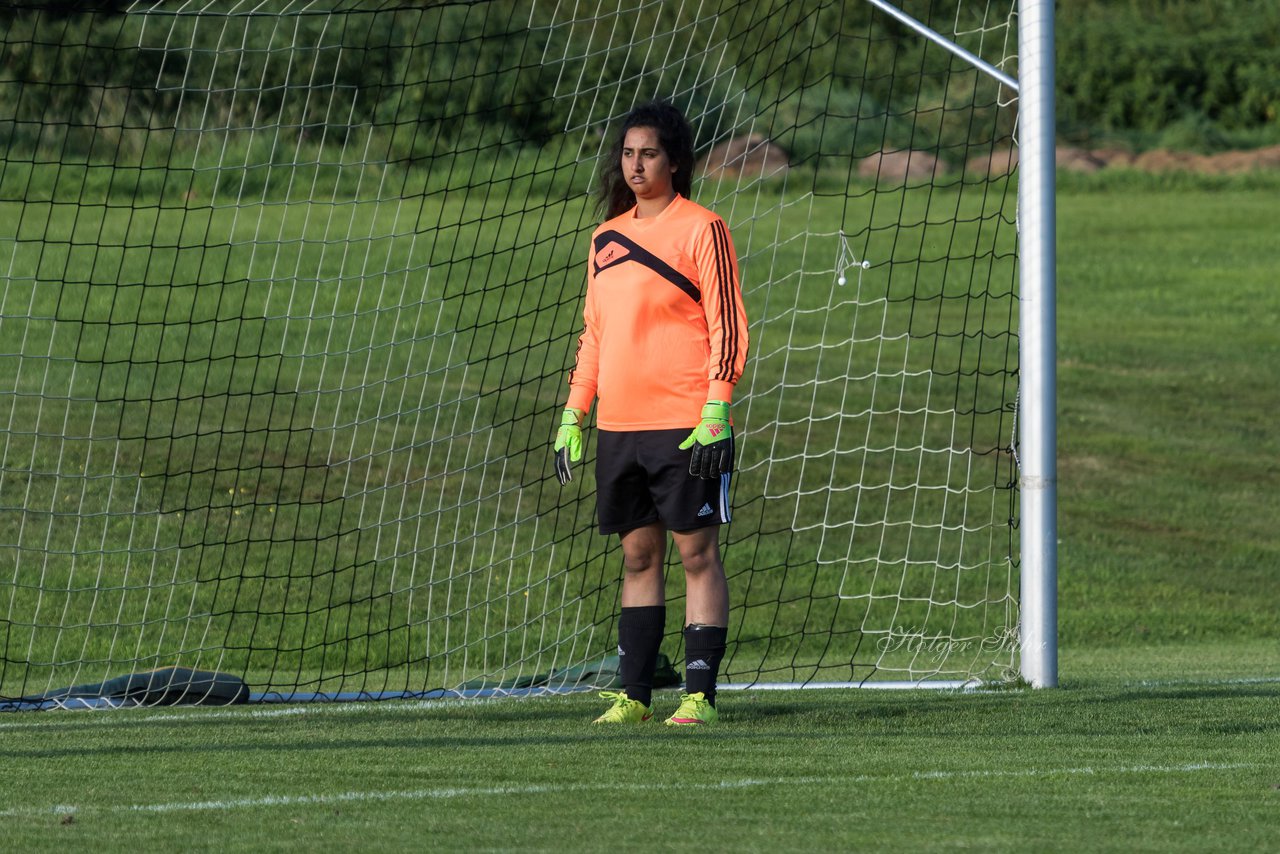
(290, 292)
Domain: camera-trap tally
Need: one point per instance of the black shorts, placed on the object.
(643, 477)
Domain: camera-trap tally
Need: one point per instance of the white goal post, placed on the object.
(1037, 222)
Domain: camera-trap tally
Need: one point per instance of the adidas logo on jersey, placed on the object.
(706, 510)
(699, 664)
(611, 252)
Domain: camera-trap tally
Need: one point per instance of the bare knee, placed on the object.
(699, 562)
(644, 550)
(639, 561)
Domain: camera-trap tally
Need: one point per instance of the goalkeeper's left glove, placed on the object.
(568, 444)
(712, 442)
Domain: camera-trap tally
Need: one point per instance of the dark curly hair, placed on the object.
(676, 136)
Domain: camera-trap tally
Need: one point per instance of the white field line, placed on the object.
(444, 793)
(1166, 683)
(107, 717)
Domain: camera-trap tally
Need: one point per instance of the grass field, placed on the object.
(1158, 749)
(1164, 735)
(1169, 463)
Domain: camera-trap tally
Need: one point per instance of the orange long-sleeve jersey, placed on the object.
(664, 326)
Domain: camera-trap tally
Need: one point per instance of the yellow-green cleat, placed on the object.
(624, 710)
(694, 710)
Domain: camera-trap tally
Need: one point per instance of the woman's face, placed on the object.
(645, 165)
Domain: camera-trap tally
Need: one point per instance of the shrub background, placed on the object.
(96, 83)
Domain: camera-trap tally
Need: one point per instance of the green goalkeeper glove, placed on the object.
(712, 442)
(568, 443)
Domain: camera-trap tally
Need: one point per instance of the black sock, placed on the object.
(639, 637)
(703, 649)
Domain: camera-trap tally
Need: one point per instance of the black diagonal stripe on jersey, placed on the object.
(728, 296)
(637, 253)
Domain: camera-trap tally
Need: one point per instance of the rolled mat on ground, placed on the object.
(601, 673)
(167, 686)
(182, 686)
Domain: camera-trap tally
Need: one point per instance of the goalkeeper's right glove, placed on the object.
(568, 443)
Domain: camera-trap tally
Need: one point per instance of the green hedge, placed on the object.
(1186, 74)
(1183, 73)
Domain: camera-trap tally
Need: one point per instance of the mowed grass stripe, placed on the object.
(682, 786)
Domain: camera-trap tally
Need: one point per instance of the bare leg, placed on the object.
(644, 551)
(707, 601)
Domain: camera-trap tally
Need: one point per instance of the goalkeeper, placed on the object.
(664, 342)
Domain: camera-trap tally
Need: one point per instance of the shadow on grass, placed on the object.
(565, 722)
